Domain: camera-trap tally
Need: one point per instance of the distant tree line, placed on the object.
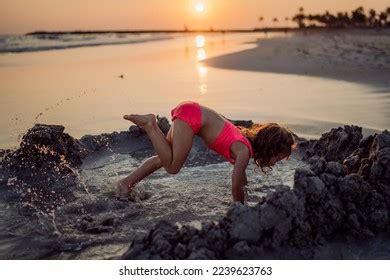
(355, 18)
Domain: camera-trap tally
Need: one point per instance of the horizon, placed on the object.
(16, 16)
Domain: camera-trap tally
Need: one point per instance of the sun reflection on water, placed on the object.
(200, 43)
(201, 54)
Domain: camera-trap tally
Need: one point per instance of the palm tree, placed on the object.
(286, 19)
(372, 17)
(358, 17)
(342, 19)
(388, 16)
(300, 18)
(261, 19)
(382, 19)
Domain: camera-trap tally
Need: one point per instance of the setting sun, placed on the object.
(199, 7)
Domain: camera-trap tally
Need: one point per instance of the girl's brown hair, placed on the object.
(269, 140)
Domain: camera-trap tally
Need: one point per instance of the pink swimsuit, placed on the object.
(229, 134)
(190, 112)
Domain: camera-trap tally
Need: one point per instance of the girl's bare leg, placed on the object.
(172, 153)
(125, 185)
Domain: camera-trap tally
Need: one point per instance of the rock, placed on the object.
(317, 164)
(180, 251)
(95, 143)
(335, 145)
(243, 123)
(244, 223)
(240, 250)
(335, 168)
(43, 171)
(202, 254)
(380, 170)
(371, 159)
(380, 142)
(44, 143)
(163, 124)
(306, 182)
(136, 131)
(352, 163)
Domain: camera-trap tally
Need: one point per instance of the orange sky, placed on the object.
(21, 16)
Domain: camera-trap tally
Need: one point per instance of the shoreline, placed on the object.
(255, 29)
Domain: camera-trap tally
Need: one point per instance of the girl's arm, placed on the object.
(239, 176)
(245, 180)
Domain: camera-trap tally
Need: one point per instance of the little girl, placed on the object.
(265, 143)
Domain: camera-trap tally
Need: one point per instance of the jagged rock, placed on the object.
(240, 250)
(44, 167)
(163, 124)
(305, 181)
(160, 240)
(107, 141)
(243, 123)
(47, 143)
(335, 145)
(380, 156)
(136, 131)
(242, 226)
(202, 254)
(95, 143)
(371, 160)
(335, 168)
(317, 164)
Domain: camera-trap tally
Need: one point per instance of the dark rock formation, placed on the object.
(335, 145)
(345, 193)
(327, 201)
(44, 166)
(246, 124)
(44, 144)
(108, 141)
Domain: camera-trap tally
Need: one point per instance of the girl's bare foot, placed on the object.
(143, 121)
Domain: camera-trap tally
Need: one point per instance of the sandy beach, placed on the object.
(312, 82)
(359, 56)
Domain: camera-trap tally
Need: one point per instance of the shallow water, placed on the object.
(41, 42)
(82, 88)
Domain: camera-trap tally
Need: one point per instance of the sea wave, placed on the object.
(53, 41)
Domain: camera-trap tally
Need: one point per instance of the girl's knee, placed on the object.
(157, 162)
(173, 169)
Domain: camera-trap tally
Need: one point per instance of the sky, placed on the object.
(22, 16)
